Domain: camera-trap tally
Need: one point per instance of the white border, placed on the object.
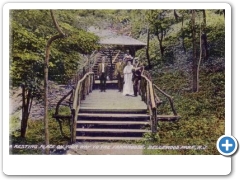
(114, 165)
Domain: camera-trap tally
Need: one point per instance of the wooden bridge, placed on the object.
(109, 115)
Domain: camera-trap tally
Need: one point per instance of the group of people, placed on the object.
(127, 72)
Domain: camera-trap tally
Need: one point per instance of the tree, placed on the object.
(204, 43)
(25, 62)
(147, 49)
(160, 23)
(30, 30)
(194, 50)
(46, 64)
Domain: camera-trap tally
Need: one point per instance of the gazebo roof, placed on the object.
(108, 37)
(121, 40)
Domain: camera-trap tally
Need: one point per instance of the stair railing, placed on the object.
(83, 88)
(169, 98)
(149, 96)
(147, 93)
(86, 88)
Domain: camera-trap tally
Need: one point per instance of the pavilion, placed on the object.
(110, 41)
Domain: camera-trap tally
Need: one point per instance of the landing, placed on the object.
(112, 100)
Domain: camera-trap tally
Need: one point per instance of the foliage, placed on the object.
(30, 30)
(202, 114)
(35, 134)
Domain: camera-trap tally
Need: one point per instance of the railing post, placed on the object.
(147, 95)
(73, 126)
(93, 80)
(83, 88)
(90, 85)
(154, 120)
(88, 80)
(79, 94)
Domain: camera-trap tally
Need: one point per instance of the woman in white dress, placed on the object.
(128, 84)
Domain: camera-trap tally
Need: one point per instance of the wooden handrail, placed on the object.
(79, 94)
(169, 98)
(60, 101)
(76, 93)
(116, 56)
(77, 88)
(153, 103)
(150, 101)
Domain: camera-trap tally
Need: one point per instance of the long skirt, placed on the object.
(128, 85)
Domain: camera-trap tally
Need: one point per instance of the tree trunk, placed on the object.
(175, 15)
(204, 21)
(200, 57)
(160, 39)
(183, 36)
(46, 62)
(204, 37)
(194, 65)
(26, 107)
(23, 122)
(147, 49)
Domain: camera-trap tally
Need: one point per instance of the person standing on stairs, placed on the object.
(127, 57)
(103, 74)
(119, 73)
(137, 71)
(128, 84)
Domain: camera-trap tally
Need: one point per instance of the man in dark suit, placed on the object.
(137, 71)
(103, 74)
(119, 73)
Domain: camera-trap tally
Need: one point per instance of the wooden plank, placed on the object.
(107, 82)
(114, 122)
(112, 99)
(107, 138)
(91, 109)
(113, 130)
(113, 115)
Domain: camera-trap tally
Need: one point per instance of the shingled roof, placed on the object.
(108, 37)
(121, 40)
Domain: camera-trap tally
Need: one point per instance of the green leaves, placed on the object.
(30, 31)
(202, 114)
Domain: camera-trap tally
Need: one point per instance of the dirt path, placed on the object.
(105, 148)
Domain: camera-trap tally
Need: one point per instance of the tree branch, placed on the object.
(56, 24)
(49, 42)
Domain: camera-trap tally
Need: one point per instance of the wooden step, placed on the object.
(167, 117)
(114, 122)
(107, 138)
(107, 82)
(113, 130)
(113, 115)
(89, 108)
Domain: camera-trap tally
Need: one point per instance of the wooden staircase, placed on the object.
(118, 125)
(109, 115)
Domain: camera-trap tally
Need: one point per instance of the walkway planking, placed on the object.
(112, 100)
(112, 116)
